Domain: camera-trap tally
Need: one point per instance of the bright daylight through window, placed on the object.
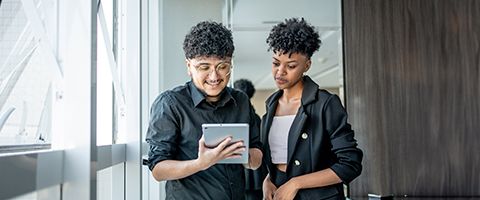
(29, 72)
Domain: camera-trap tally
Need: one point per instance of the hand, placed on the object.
(287, 191)
(254, 159)
(210, 156)
(268, 188)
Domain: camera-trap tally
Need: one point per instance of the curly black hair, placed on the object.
(207, 39)
(294, 36)
(246, 86)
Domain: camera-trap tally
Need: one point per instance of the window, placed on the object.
(29, 72)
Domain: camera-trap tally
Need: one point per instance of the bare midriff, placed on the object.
(282, 167)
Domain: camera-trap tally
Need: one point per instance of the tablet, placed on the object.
(216, 133)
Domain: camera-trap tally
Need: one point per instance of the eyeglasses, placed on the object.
(222, 68)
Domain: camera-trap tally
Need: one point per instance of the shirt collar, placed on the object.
(198, 96)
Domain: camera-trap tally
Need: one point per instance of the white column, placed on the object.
(77, 54)
(130, 48)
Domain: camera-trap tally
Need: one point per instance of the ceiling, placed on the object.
(252, 21)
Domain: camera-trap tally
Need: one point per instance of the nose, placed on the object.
(281, 70)
(213, 74)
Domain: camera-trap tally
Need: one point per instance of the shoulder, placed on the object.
(171, 96)
(238, 95)
(330, 103)
(325, 98)
(324, 95)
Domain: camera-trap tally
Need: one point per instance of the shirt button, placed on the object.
(297, 163)
(304, 136)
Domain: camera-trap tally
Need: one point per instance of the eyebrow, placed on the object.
(295, 61)
(204, 63)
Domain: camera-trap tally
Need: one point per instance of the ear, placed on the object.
(309, 63)
(187, 62)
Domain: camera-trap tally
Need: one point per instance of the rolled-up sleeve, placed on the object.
(162, 131)
(344, 145)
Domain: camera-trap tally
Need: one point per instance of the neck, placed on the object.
(294, 93)
(212, 99)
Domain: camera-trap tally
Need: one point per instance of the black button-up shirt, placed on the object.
(176, 126)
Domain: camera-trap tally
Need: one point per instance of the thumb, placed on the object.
(201, 144)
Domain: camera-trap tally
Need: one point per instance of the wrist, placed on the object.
(296, 183)
(199, 165)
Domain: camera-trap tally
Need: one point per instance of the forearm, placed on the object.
(174, 169)
(255, 158)
(316, 179)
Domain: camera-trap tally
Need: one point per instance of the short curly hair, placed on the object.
(246, 86)
(207, 39)
(294, 36)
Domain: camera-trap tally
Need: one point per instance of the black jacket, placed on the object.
(319, 138)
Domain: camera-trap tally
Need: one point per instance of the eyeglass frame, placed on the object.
(216, 68)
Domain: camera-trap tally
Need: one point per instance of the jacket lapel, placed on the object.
(295, 131)
(309, 94)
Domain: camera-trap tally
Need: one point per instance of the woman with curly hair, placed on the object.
(309, 147)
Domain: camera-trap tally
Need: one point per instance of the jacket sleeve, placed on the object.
(349, 157)
(162, 131)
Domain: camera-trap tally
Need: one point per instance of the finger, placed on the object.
(233, 152)
(239, 150)
(270, 196)
(267, 196)
(233, 156)
(233, 147)
(223, 144)
(275, 196)
(240, 143)
(201, 144)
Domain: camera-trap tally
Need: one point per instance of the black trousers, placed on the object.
(278, 177)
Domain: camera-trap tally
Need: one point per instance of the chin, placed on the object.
(281, 87)
(213, 93)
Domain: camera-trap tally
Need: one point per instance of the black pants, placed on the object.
(253, 195)
(278, 177)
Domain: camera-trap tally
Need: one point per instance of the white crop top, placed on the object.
(278, 138)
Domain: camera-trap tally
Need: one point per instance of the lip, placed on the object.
(280, 80)
(213, 84)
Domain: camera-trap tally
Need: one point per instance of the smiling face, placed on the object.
(288, 69)
(210, 75)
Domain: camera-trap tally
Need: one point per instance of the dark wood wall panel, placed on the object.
(412, 78)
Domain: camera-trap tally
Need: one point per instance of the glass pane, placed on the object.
(29, 72)
(109, 100)
(110, 183)
(104, 92)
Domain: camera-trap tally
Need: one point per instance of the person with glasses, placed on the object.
(310, 148)
(177, 149)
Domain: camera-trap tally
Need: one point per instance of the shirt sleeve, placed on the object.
(254, 129)
(344, 145)
(162, 131)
